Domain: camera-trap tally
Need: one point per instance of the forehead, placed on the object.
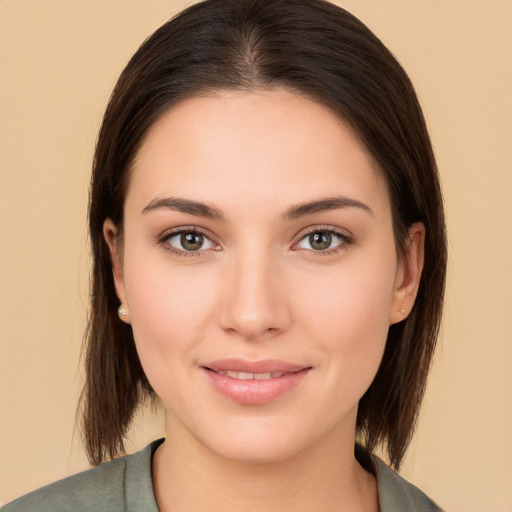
(274, 146)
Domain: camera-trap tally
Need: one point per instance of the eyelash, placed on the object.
(345, 241)
(164, 241)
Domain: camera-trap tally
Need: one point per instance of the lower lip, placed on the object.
(255, 392)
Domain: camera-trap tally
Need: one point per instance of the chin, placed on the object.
(260, 442)
(251, 453)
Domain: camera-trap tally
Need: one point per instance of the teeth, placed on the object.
(244, 376)
(251, 376)
(262, 376)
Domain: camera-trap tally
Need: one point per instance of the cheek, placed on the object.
(356, 296)
(349, 319)
(169, 308)
(162, 295)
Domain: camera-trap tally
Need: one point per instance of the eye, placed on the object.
(322, 240)
(189, 241)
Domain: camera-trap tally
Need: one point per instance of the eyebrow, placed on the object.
(324, 205)
(200, 209)
(184, 206)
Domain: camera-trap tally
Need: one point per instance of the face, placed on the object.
(259, 272)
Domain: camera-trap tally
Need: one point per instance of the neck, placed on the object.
(189, 477)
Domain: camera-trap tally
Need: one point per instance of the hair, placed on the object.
(313, 48)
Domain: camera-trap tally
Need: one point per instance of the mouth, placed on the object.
(250, 376)
(254, 383)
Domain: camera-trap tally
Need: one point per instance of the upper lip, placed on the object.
(261, 366)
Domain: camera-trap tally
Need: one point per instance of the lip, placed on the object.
(254, 391)
(261, 366)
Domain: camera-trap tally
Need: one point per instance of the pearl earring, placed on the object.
(121, 311)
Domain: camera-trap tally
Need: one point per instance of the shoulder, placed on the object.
(398, 495)
(95, 489)
(121, 485)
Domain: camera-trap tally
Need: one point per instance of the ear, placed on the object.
(110, 232)
(408, 274)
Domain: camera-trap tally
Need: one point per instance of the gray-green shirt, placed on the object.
(125, 485)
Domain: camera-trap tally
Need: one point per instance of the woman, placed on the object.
(269, 261)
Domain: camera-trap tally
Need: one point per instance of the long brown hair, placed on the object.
(316, 49)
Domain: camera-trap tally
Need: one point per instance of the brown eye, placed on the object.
(189, 241)
(323, 241)
(320, 241)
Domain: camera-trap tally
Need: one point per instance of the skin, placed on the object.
(259, 289)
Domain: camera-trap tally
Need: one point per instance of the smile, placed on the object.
(254, 383)
(251, 376)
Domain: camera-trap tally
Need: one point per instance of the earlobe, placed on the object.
(408, 275)
(110, 233)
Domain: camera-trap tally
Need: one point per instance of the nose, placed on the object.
(254, 302)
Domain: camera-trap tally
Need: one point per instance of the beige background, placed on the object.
(58, 62)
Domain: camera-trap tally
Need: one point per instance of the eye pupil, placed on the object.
(320, 240)
(192, 241)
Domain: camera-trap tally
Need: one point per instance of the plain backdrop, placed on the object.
(59, 60)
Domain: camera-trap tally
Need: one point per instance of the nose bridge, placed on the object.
(254, 304)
